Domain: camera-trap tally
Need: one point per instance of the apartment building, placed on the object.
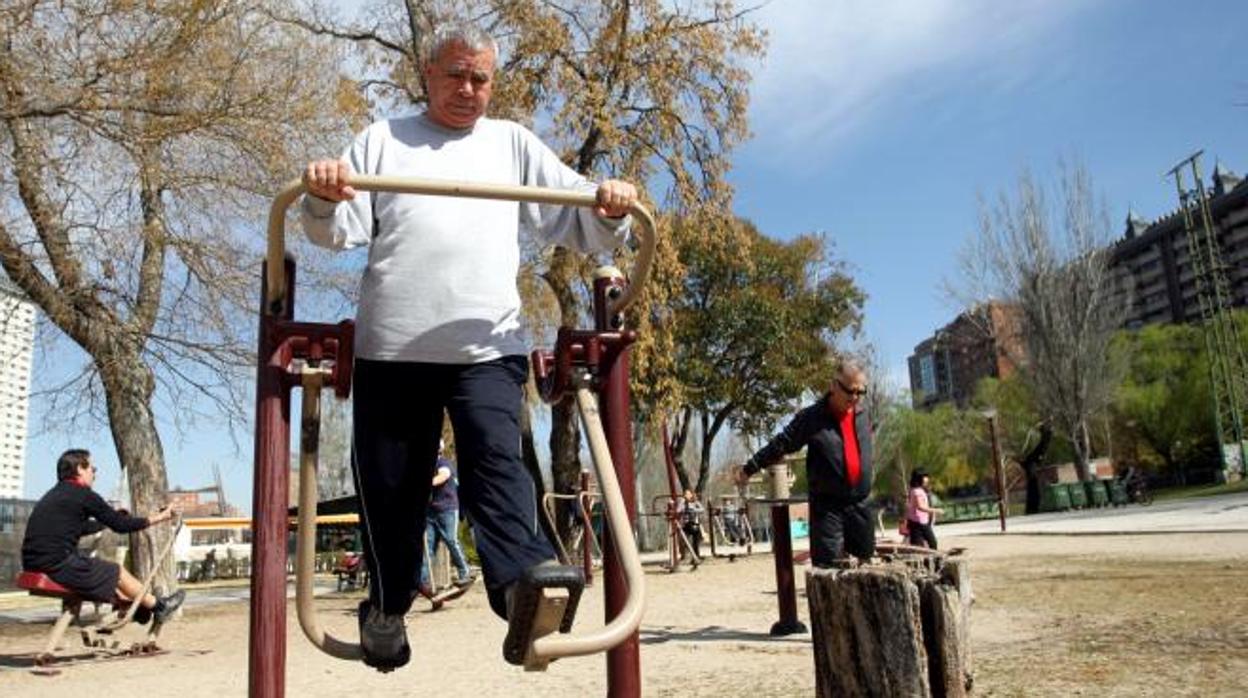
(979, 343)
(17, 338)
(1151, 261)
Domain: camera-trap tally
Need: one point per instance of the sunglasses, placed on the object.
(852, 392)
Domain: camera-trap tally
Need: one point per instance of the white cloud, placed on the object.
(835, 65)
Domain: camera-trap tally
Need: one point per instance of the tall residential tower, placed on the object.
(17, 340)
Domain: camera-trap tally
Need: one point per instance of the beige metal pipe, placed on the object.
(412, 185)
(156, 563)
(305, 551)
(626, 623)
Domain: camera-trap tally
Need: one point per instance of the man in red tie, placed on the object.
(836, 432)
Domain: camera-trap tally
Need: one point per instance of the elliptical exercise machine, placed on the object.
(593, 364)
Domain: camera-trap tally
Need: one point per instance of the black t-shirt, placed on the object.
(445, 497)
(66, 513)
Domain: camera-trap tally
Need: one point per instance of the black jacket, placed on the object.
(819, 431)
(66, 513)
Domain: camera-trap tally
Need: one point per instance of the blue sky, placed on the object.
(880, 122)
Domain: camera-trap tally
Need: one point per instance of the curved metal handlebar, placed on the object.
(474, 190)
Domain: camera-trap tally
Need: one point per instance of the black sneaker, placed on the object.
(142, 615)
(383, 638)
(166, 606)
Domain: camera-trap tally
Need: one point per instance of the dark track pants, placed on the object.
(398, 410)
(836, 531)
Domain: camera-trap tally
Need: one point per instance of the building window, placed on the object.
(927, 374)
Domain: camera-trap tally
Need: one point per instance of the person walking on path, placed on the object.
(836, 432)
(920, 514)
(443, 525)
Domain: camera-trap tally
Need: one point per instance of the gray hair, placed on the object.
(458, 33)
(850, 366)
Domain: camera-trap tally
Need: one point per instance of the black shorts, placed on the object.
(90, 578)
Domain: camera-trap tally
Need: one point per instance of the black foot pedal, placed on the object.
(543, 600)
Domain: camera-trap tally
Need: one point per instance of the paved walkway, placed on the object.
(1221, 513)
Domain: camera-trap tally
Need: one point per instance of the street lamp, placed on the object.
(991, 415)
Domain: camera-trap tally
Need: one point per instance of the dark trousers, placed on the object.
(693, 532)
(922, 534)
(398, 409)
(840, 530)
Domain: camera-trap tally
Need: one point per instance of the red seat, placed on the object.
(40, 584)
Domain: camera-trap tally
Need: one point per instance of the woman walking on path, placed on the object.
(920, 515)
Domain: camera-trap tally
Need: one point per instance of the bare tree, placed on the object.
(138, 143)
(1052, 262)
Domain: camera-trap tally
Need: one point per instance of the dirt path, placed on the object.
(1107, 616)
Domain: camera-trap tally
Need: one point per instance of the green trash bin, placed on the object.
(1055, 498)
(953, 512)
(799, 529)
(1117, 492)
(1097, 496)
(1078, 495)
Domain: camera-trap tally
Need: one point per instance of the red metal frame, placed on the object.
(604, 353)
(782, 553)
(282, 342)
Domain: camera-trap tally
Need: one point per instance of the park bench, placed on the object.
(351, 571)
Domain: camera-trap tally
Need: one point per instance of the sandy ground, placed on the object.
(1152, 615)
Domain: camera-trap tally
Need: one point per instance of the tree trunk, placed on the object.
(679, 439)
(528, 454)
(565, 461)
(710, 428)
(1083, 451)
(128, 387)
(565, 434)
(895, 629)
(1029, 464)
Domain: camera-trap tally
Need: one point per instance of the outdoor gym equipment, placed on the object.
(309, 356)
(589, 545)
(678, 544)
(782, 553)
(677, 541)
(731, 522)
(101, 636)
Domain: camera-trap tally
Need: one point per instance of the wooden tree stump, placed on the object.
(899, 627)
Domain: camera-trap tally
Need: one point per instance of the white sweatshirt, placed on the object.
(440, 285)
